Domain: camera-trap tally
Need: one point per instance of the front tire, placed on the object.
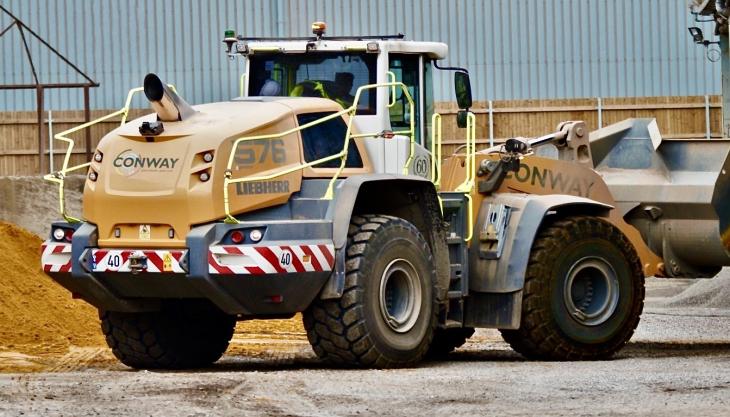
(184, 334)
(387, 314)
(583, 294)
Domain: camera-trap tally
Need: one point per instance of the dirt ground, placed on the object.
(677, 363)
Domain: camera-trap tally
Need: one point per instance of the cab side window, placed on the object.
(406, 70)
(325, 139)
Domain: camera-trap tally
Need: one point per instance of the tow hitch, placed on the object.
(137, 262)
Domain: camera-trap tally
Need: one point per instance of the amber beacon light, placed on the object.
(318, 28)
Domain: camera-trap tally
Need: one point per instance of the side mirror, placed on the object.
(461, 116)
(462, 85)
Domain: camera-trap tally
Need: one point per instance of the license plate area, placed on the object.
(156, 261)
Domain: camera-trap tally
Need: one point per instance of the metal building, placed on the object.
(515, 49)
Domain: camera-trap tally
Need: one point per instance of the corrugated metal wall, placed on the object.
(515, 49)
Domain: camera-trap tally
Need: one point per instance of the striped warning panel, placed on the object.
(56, 257)
(260, 260)
(117, 260)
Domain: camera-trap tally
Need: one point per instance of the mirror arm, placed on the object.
(437, 66)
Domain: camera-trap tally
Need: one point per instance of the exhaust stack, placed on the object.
(166, 103)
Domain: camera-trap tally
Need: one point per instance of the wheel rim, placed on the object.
(400, 295)
(591, 291)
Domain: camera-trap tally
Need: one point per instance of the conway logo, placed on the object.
(128, 163)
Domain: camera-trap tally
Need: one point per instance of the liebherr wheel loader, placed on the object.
(322, 190)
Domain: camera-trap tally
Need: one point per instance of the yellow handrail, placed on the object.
(468, 183)
(228, 180)
(467, 186)
(241, 84)
(59, 176)
(436, 150)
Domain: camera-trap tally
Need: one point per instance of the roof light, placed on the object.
(373, 47)
(229, 38)
(318, 28)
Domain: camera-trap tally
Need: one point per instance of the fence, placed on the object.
(678, 117)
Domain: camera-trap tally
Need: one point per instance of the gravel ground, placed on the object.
(678, 363)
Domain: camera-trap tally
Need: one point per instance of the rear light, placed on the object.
(208, 157)
(98, 156)
(61, 234)
(204, 176)
(255, 235)
(236, 236)
(58, 234)
(92, 175)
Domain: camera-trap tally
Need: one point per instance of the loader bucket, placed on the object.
(676, 192)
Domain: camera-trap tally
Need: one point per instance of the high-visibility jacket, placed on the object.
(313, 88)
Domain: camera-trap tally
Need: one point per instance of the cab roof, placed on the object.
(434, 50)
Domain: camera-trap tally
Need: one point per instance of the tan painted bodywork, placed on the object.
(539, 175)
(174, 197)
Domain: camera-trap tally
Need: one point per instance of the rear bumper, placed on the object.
(279, 275)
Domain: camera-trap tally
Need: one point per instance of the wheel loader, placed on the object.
(323, 190)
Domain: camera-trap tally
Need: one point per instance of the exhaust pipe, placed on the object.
(166, 103)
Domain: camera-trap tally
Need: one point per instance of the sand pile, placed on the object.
(32, 203)
(708, 293)
(43, 329)
(37, 316)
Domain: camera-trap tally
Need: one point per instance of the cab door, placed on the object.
(414, 71)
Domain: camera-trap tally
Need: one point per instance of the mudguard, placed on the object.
(419, 194)
(505, 273)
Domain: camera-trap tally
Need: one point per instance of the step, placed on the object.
(454, 294)
(450, 203)
(455, 240)
(452, 323)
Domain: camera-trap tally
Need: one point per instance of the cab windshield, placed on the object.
(332, 75)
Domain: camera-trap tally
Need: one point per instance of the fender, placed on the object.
(528, 211)
(410, 197)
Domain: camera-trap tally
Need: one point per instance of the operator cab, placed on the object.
(335, 67)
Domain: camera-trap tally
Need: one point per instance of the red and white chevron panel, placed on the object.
(260, 260)
(117, 260)
(56, 257)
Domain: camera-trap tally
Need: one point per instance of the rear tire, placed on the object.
(387, 314)
(184, 334)
(583, 294)
(446, 340)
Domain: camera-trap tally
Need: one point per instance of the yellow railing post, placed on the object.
(467, 186)
(241, 84)
(436, 150)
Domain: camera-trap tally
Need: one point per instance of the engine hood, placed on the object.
(150, 190)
